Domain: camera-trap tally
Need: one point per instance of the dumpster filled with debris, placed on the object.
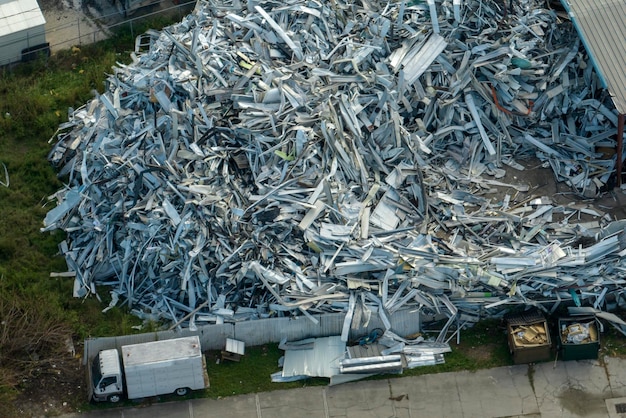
(579, 338)
(529, 337)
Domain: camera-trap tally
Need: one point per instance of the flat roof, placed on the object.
(601, 25)
(163, 350)
(19, 15)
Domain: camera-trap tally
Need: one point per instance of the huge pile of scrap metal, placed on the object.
(286, 158)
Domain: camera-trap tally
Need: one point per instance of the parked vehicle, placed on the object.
(149, 369)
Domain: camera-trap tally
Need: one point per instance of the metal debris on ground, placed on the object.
(264, 159)
(234, 349)
(333, 358)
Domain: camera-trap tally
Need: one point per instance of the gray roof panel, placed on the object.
(601, 25)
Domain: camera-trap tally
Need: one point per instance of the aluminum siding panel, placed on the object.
(601, 25)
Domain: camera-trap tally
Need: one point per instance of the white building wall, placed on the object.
(12, 45)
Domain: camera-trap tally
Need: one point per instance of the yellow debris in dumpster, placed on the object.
(579, 333)
(529, 335)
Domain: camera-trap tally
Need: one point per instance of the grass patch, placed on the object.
(34, 100)
(613, 342)
(482, 346)
(251, 374)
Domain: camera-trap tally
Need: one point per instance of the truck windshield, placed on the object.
(95, 371)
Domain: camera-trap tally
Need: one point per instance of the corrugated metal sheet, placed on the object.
(19, 15)
(601, 25)
(321, 361)
(262, 331)
(212, 337)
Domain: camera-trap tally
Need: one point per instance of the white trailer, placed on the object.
(149, 369)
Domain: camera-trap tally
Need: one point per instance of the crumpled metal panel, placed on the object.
(320, 361)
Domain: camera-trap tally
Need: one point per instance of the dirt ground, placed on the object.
(542, 182)
(67, 26)
(55, 391)
(72, 23)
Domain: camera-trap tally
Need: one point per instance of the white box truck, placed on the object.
(149, 369)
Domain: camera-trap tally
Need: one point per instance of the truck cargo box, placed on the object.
(162, 367)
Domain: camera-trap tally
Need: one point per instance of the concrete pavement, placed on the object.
(586, 388)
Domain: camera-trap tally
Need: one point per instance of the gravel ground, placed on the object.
(72, 23)
(68, 26)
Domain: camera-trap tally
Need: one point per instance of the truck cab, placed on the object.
(106, 377)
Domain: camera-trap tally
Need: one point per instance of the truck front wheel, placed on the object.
(115, 398)
(182, 391)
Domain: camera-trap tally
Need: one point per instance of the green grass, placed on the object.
(251, 374)
(482, 346)
(34, 100)
(613, 342)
